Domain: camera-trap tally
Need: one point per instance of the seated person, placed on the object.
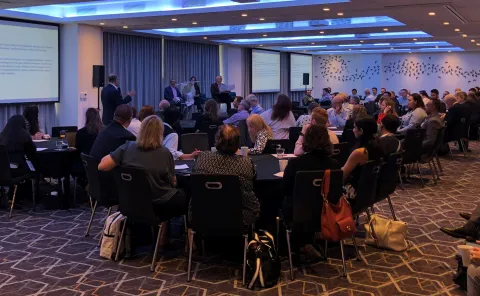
(280, 117)
(115, 134)
(255, 106)
(319, 117)
(149, 154)
(164, 104)
(172, 94)
(432, 125)
(414, 116)
(134, 126)
(387, 106)
(308, 99)
(219, 95)
(473, 274)
(87, 135)
(170, 136)
(358, 111)
(210, 116)
(318, 149)
(354, 100)
(387, 141)
(32, 124)
(142, 114)
(306, 118)
(338, 115)
(259, 132)
(366, 149)
(242, 114)
(225, 161)
(456, 112)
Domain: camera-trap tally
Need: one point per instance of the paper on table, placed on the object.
(181, 167)
(279, 174)
(225, 87)
(338, 133)
(41, 149)
(284, 156)
(38, 141)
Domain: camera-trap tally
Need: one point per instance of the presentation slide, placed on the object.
(300, 64)
(265, 71)
(28, 62)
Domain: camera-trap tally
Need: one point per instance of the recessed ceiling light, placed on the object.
(312, 43)
(349, 49)
(478, 44)
(304, 51)
(244, 14)
(385, 29)
(174, 20)
(261, 45)
(205, 37)
(265, 35)
(340, 13)
(464, 35)
(431, 13)
(101, 24)
(409, 52)
(436, 46)
(473, 40)
(361, 41)
(457, 30)
(449, 51)
(194, 23)
(326, 9)
(391, 47)
(262, 19)
(446, 23)
(125, 27)
(414, 39)
(321, 32)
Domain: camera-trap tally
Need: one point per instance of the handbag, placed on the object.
(337, 220)
(389, 234)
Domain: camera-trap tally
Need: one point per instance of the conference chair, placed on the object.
(307, 208)
(430, 156)
(135, 203)
(244, 134)
(198, 141)
(294, 133)
(371, 108)
(215, 215)
(56, 130)
(412, 147)
(211, 129)
(341, 152)
(7, 180)
(297, 112)
(387, 181)
(349, 137)
(272, 145)
(99, 194)
(458, 133)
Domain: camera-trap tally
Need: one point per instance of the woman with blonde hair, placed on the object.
(259, 132)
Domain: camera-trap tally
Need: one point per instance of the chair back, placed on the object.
(272, 145)
(196, 115)
(297, 112)
(326, 104)
(349, 137)
(429, 155)
(199, 141)
(366, 190)
(244, 135)
(341, 152)
(294, 133)
(210, 128)
(308, 201)
(458, 130)
(295, 104)
(216, 204)
(100, 186)
(371, 108)
(135, 195)
(56, 130)
(5, 174)
(412, 145)
(387, 181)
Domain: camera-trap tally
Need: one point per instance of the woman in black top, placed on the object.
(86, 135)
(32, 125)
(197, 97)
(210, 116)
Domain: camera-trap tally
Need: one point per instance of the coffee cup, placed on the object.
(283, 164)
(244, 150)
(465, 251)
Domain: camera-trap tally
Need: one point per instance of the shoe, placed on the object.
(465, 216)
(312, 253)
(459, 232)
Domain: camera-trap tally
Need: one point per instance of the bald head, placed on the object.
(449, 100)
(164, 104)
(338, 99)
(219, 79)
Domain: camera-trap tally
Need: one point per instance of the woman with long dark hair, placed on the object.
(415, 115)
(280, 118)
(86, 136)
(30, 113)
(210, 116)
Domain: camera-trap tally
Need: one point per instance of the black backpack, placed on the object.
(263, 264)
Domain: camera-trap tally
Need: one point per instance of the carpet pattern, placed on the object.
(45, 253)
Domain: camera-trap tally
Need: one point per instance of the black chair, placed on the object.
(371, 108)
(198, 141)
(219, 194)
(412, 147)
(431, 155)
(244, 134)
(349, 137)
(6, 178)
(99, 190)
(56, 130)
(387, 181)
(135, 203)
(341, 152)
(294, 133)
(307, 207)
(297, 112)
(326, 104)
(211, 129)
(272, 145)
(196, 115)
(295, 104)
(458, 133)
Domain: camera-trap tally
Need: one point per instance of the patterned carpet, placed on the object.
(45, 253)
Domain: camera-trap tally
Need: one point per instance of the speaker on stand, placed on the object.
(306, 80)
(98, 80)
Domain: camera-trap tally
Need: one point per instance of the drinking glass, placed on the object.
(59, 145)
(280, 152)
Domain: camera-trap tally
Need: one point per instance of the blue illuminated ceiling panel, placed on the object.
(388, 50)
(358, 46)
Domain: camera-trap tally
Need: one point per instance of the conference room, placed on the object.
(240, 147)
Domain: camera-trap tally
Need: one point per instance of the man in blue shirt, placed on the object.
(403, 97)
(242, 114)
(256, 108)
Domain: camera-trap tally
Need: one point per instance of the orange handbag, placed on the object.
(337, 220)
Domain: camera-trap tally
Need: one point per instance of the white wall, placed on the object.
(232, 67)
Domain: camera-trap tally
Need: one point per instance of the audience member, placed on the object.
(445, 93)
(259, 133)
(164, 104)
(172, 94)
(387, 106)
(425, 97)
(354, 100)
(457, 115)
(242, 114)
(236, 103)
(220, 96)
(86, 136)
(403, 98)
(374, 93)
(326, 97)
(338, 115)
(144, 112)
(134, 126)
(346, 102)
(210, 116)
(306, 118)
(354, 92)
(280, 118)
(170, 136)
(225, 161)
(432, 125)
(112, 98)
(30, 113)
(414, 116)
(458, 90)
(472, 91)
(113, 135)
(387, 141)
(358, 111)
(308, 99)
(319, 117)
(368, 96)
(382, 91)
(255, 106)
(473, 274)
(435, 95)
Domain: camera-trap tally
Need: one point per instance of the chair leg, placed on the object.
(186, 232)
(439, 164)
(325, 255)
(105, 223)
(356, 248)
(75, 191)
(190, 241)
(154, 260)
(34, 196)
(290, 254)
(420, 174)
(450, 150)
(204, 251)
(13, 201)
(245, 246)
(464, 147)
(117, 255)
(435, 169)
(278, 233)
(391, 208)
(344, 273)
(433, 172)
(87, 233)
(401, 181)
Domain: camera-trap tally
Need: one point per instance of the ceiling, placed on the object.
(289, 25)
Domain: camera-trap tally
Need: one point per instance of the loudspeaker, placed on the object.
(98, 76)
(306, 78)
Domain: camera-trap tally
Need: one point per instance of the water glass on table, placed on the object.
(280, 152)
(58, 145)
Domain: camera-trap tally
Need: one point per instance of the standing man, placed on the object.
(112, 98)
(217, 95)
(172, 94)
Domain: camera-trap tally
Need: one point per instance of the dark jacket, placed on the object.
(432, 126)
(215, 91)
(453, 121)
(389, 145)
(111, 99)
(168, 94)
(109, 139)
(84, 141)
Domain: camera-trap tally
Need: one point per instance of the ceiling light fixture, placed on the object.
(391, 47)
(436, 46)
(446, 23)
(361, 41)
(326, 9)
(449, 51)
(385, 29)
(409, 52)
(312, 43)
(101, 24)
(321, 32)
(431, 13)
(205, 37)
(265, 35)
(414, 39)
(194, 23)
(340, 13)
(457, 30)
(473, 40)
(261, 45)
(125, 27)
(262, 19)
(174, 20)
(349, 49)
(464, 35)
(244, 14)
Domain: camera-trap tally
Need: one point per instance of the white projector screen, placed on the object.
(265, 71)
(29, 62)
(300, 64)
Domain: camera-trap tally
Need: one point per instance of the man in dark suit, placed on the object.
(112, 98)
(113, 135)
(432, 125)
(217, 95)
(458, 113)
(172, 94)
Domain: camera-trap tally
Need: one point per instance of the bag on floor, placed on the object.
(111, 237)
(390, 234)
(263, 264)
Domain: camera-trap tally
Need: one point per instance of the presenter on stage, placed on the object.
(172, 94)
(220, 94)
(112, 98)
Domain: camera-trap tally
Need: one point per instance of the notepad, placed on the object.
(284, 156)
(279, 174)
(41, 149)
(181, 167)
(39, 141)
